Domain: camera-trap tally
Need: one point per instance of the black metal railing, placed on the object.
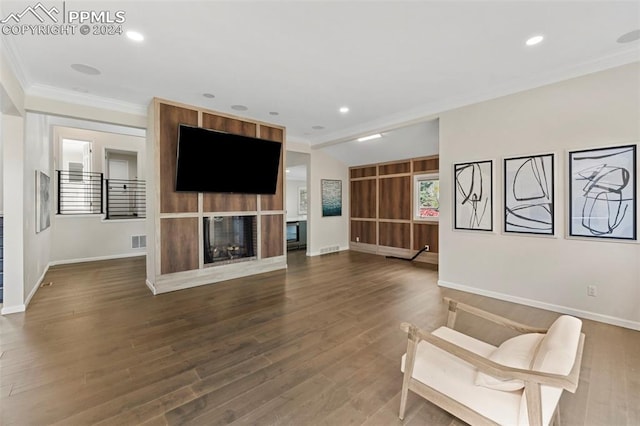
(79, 192)
(125, 199)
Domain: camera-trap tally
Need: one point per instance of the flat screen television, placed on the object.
(213, 161)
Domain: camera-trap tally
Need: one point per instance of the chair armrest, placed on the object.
(485, 365)
(455, 306)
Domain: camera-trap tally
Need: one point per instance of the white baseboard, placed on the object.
(37, 286)
(95, 259)
(6, 310)
(21, 308)
(151, 286)
(620, 322)
(317, 253)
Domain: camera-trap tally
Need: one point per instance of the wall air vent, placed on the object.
(138, 241)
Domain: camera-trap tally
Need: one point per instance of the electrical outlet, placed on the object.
(426, 247)
(592, 290)
(357, 239)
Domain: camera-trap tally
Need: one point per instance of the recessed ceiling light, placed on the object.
(209, 95)
(344, 109)
(370, 137)
(135, 36)
(274, 113)
(288, 171)
(317, 127)
(239, 107)
(85, 69)
(534, 40)
(629, 37)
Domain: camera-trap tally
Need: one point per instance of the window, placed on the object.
(427, 197)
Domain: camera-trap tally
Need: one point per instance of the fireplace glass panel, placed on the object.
(229, 239)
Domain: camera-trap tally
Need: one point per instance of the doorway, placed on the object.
(122, 184)
(297, 202)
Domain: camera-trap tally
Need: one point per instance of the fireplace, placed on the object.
(229, 239)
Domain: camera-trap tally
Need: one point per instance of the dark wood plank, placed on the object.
(276, 201)
(365, 231)
(363, 198)
(229, 125)
(394, 168)
(170, 200)
(215, 203)
(178, 244)
(272, 235)
(394, 198)
(426, 165)
(424, 233)
(395, 234)
(360, 172)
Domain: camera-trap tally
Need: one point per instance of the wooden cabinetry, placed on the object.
(382, 218)
(175, 241)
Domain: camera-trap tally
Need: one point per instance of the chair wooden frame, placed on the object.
(532, 379)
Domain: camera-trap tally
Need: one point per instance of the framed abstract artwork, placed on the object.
(302, 200)
(473, 196)
(602, 193)
(331, 197)
(528, 194)
(43, 205)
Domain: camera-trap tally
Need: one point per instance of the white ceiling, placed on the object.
(416, 140)
(389, 61)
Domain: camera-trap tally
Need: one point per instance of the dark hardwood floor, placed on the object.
(319, 344)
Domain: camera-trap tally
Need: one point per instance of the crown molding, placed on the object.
(84, 99)
(432, 110)
(14, 63)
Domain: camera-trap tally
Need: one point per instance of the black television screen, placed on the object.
(212, 161)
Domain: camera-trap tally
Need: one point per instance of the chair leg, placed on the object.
(408, 369)
(403, 400)
(555, 420)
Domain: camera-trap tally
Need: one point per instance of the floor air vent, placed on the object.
(331, 249)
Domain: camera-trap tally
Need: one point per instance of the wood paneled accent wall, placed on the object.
(382, 217)
(177, 254)
(170, 200)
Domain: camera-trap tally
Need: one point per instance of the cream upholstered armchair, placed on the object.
(518, 383)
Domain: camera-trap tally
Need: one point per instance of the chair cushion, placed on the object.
(558, 348)
(556, 355)
(516, 352)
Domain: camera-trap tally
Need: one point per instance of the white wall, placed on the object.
(593, 111)
(292, 199)
(327, 231)
(37, 157)
(88, 237)
(13, 196)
